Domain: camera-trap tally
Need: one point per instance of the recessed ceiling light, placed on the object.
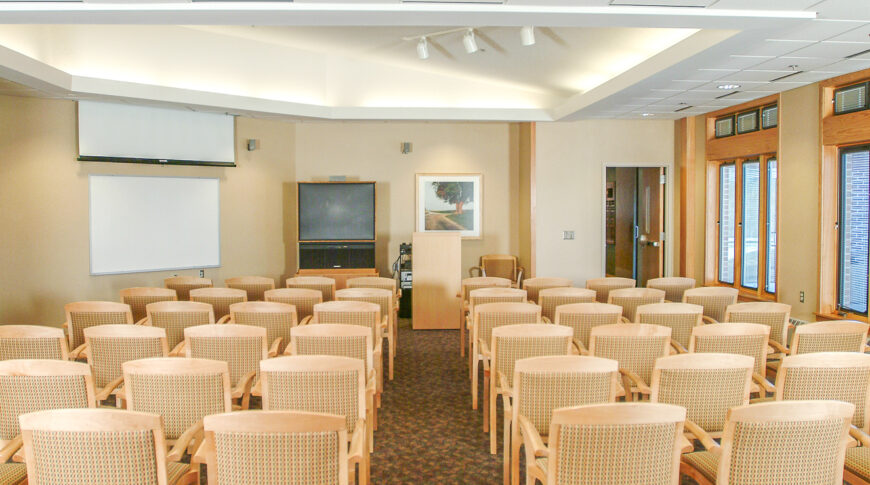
(646, 114)
(728, 86)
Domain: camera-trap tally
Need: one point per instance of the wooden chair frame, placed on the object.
(574, 295)
(711, 291)
(668, 308)
(282, 295)
(203, 294)
(164, 294)
(830, 327)
(591, 308)
(313, 283)
(378, 282)
(778, 342)
(608, 284)
(669, 283)
(264, 307)
(534, 285)
(184, 284)
(37, 332)
(77, 351)
(725, 330)
(183, 306)
(631, 380)
(125, 332)
(516, 272)
(649, 295)
(260, 281)
(360, 294)
(468, 285)
(502, 294)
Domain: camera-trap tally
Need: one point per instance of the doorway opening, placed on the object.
(635, 222)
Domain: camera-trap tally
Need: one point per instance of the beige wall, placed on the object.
(44, 195)
(370, 151)
(570, 161)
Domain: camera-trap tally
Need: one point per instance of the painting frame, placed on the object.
(423, 188)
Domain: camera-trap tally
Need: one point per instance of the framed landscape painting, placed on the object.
(450, 202)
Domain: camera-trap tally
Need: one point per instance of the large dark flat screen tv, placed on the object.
(338, 211)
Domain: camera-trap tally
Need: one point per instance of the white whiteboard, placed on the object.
(129, 131)
(153, 223)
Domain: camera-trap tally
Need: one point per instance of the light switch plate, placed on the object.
(568, 235)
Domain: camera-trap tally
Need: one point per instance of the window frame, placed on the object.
(755, 112)
(841, 153)
(733, 126)
(765, 109)
(866, 105)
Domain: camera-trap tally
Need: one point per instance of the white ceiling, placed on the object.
(319, 59)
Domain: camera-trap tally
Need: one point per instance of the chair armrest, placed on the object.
(503, 383)
(144, 321)
(706, 319)
(860, 435)
(273, 349)
(224, 319)
(701, 436)
(10, 449)
(203, 452)
(191, 477)
(104, 393)
(178, 350)
(357, 447)
(520, 272)
(777, 346)
(471, 271)
(580, 347)
(243, 388)
(679, 347)
(484, 348)
(624, 320)
(385, 322)
(545, 320)
(642, 386)
(305, 321)
(183, 441)
(761, 381)
(78, 352)
(686, 446)
(532, 439)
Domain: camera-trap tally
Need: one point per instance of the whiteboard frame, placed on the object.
(90, 226)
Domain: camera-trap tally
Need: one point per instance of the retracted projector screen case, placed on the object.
(150, 223)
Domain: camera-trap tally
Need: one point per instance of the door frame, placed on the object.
(669, 206)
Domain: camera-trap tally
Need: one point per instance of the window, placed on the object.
(769, 116)
(853, 229)
(747, 224)
(850, 99)
(747, 122)
(725, 127)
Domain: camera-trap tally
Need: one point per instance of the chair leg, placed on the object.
(461, 331)
(516, 442)
(493, 417)
(486, 391)
(506, 450)
(391, 343)
(474, 383)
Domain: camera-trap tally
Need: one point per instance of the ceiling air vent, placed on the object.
(727, 94)
(780, 78)
(664, 3)
(858, 54)
(684, 108)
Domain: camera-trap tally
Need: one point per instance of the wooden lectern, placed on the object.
(437, 276)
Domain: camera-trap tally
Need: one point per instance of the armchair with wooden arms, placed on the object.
(509, 344)
(183, 392)
(499, 266)
(174, 317)
(242, 347)
(533, 286)
(604, 443)
(831, 336)
(748, 339)
(673, 286)
(277, 318)
(109, 346)
(183, 284)
(774, 315)
(631, 298)
(550, 298)
(583, 317)
(603, 286)
(481, 296)
(543, 384)
(303, 299)
(681, 317)
(99, 446)
(469, 285)
(322, 384)
(277, 447)
(384, 299)
(138, 298)
(774, 442)
(32, 342)
(383, 284)
(254, 286)
(84, 314)
(714, 299)
(636, 346)
(220, 299)
(326, 286)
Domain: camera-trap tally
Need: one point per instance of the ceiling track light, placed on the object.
(423, 48)
(527, 36)
(469, 42)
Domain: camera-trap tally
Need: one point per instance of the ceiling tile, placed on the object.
(784, 63)
(861, 34)
(842, 9)
(811, 76)
(755, 76)
(816, 29)
(738, 62)
(773, 47)
(704, 75)
(832, 50)
(848, 65)
(696, 96)
(766, 5)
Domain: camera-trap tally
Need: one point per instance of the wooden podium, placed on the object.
(437, 276)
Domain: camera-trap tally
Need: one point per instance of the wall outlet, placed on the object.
(568, 235)
(802, 296)
(202, 273)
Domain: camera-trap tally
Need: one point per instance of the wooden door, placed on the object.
(650, 223)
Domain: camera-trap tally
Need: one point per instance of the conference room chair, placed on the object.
(838, 376)
(607, 443)
(242, 347)
(340, 340)
(182, 391)
(220, 300)
(322, 384)
(499, 266)
(583, 317)
(258, 447)
(109, 346)
(550, 298)
(302, 298)
(748, 339)
(774, 315)
(681, 317)
(833, 336)
(631, 298)
(362, 314)
(673, 286)
(603, 286)
(481, 296)
(707, 385)
(384, 299)
(326, 286)
(857, 463)
(636, 346)
(183, 284)
(32, 342)
(174, 317)
(276, 318)
(510, 344)
(714, 299)
(469, 285)
(543, 384)
(67, 446)
(383, 284)
(84, 314)
(254, 286)
(138, 298)
(27, 386)
(775, 442)
(534, 285)
(485, 318)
